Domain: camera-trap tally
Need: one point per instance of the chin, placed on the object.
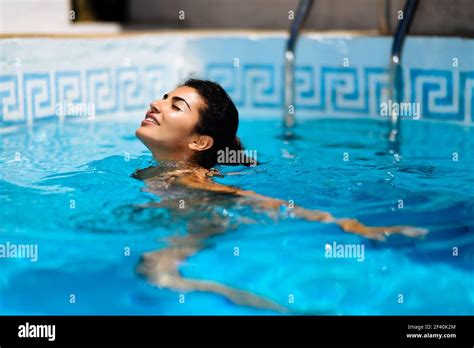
(144, 136)
(138, 132)
(148, 137)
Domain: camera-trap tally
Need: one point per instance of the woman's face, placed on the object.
(168, 127)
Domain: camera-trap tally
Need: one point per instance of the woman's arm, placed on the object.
(203, 182)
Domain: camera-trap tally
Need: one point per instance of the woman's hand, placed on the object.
(379, 233)
(347, 225)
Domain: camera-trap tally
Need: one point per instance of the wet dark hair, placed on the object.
(218, 119)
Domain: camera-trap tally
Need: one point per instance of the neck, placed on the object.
(176, 159)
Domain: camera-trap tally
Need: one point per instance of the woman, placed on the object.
(187, 131)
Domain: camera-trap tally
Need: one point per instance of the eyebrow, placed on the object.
(176, 98)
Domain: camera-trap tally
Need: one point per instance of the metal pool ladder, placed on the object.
(304, 6)
(395, 70)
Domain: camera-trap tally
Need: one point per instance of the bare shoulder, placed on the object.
(201, 178)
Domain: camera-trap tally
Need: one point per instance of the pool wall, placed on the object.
(336, 75)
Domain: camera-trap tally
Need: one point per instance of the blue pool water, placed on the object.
(68, 189)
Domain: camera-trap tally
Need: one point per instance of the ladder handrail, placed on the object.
(395, 74)
(403, 28)
(304, 7)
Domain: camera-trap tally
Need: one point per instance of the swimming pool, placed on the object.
(66, 185)
(76, 200)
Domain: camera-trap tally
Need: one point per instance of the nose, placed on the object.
(155, 107)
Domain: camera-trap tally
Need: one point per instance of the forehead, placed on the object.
(191, 96)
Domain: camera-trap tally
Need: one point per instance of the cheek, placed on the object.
(172, 133)
(179, 125)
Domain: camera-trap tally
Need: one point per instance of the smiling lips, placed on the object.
(150, 118)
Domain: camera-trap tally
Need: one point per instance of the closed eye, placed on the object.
(177, 99)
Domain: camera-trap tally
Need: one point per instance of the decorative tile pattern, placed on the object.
(33, 93)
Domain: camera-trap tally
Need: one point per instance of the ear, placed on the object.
(201, 143)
